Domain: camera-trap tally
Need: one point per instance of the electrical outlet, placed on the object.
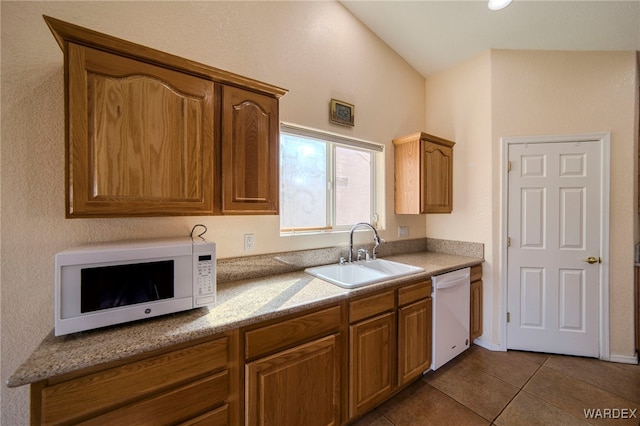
(249, 242)
(403, 231)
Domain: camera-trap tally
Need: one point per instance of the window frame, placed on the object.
(332, 141)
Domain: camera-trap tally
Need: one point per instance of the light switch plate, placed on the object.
(403, 231)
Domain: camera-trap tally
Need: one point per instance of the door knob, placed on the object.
(591, 260)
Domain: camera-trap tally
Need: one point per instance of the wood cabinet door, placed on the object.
(250, 149)
(299, 386)
(407, 179)
(414, 340)
(637, 307)
(371, 362)
(139, 138)
(476, 310)
(423, 174)
(437, 178)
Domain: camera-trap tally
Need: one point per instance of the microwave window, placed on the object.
(122, 285)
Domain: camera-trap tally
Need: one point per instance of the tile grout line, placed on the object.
(537, 369)
(577, 379)
(520, 389)
(385, 417)
(488, 373)
(581, 380)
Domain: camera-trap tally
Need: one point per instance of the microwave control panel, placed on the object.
(205, 279)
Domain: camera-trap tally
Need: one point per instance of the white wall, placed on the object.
(317, 50)
(525, 93)
(550, 93)
(458, 107)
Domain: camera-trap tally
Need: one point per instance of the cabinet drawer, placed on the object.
(171, 407)
(372, 305)
(413, 292)
(289, 332)
(476, 273)
(106, 389)
(219, 417)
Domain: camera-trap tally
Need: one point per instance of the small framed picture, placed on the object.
(341, 113)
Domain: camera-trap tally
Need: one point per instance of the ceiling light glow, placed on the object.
(498, 4)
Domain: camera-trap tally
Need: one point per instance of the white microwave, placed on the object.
(103, 284)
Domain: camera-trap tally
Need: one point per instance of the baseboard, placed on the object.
(488, 345)
(624, 359)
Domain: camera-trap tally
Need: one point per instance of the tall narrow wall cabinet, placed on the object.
(423, 174)
(250, 151)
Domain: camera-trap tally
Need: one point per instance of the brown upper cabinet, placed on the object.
(423, 174)
(250, 151)
(153, 134)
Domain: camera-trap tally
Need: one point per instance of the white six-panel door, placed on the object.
(554, 208)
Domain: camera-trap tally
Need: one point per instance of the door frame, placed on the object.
(605, 162)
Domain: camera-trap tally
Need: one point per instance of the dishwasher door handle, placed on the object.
(452, 283)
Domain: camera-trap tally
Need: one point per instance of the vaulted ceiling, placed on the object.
(434, 35)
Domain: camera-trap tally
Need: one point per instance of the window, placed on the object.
(327, 181)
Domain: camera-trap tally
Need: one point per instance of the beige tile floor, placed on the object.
(482, 387)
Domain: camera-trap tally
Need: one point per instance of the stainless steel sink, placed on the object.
(357, 274)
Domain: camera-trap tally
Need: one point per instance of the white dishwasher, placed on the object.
(451, 311)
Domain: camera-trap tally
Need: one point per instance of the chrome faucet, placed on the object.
(376, 239)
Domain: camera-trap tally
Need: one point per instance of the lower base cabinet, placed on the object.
(293, 370)
(414, 340)
(299, 386)
(176, 387)
(389, 343)
(322, 367)
(475, 326)
(371, 362)
(636, 293)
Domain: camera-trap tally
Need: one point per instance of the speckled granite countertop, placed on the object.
(239, 303)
